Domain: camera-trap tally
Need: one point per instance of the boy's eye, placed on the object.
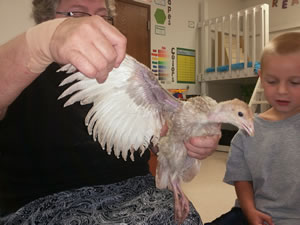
(271, 81)
(295, 82)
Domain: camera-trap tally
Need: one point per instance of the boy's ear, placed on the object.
(259, 73)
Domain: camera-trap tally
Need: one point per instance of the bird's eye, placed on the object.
(240, 114)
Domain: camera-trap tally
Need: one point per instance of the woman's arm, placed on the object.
(14, 75)
(92, 45)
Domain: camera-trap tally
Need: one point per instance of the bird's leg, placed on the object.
(154, 148)
(181, 203)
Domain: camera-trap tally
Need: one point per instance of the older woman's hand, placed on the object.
(197, 147)
(202, 147)
(91, 44)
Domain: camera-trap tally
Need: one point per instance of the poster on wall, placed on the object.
(186, 65)
(162, 16)
(159, 59)
(160, 2)
(173, 42)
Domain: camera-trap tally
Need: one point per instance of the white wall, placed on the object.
(218, 8)
(281, 19)
(15, 17)
(178, 35)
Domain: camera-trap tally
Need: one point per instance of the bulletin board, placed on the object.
(186, 65)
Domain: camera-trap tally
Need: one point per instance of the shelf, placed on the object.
(238, 74)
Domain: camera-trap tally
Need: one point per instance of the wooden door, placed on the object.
(133, 20)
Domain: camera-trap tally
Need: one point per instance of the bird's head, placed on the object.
(235, 112)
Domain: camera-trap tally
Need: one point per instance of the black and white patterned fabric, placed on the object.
(134, 201)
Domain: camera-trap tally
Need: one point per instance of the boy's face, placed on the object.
(281, 83)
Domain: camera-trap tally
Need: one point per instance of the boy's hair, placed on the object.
(43, 10)
(283, 44)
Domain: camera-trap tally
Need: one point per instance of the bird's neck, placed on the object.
(218, 113)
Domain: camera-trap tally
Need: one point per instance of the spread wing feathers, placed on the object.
(128, 108)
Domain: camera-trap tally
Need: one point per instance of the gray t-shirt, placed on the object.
(271, 160)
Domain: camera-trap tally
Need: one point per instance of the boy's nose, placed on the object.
(282, 88)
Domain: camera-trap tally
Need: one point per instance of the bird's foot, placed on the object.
(182, 209)
(181, 205)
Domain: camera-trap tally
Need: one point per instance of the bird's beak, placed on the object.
(249, 128)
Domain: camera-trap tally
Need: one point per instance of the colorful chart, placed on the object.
(160, 63)
(186, 65)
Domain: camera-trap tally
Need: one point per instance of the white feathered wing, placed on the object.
(128, 108)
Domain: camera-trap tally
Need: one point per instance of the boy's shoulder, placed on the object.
(274, 116)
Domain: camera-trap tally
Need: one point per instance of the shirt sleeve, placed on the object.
(237, 167)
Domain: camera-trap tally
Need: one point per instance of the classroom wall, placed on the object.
(178, 31)
(284, 15)
(216, 8)
(222, 90)
(15, 18)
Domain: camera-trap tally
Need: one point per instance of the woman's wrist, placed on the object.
(38, 40)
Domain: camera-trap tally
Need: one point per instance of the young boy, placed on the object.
(265, 168)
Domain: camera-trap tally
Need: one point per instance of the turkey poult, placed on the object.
(129, 110)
